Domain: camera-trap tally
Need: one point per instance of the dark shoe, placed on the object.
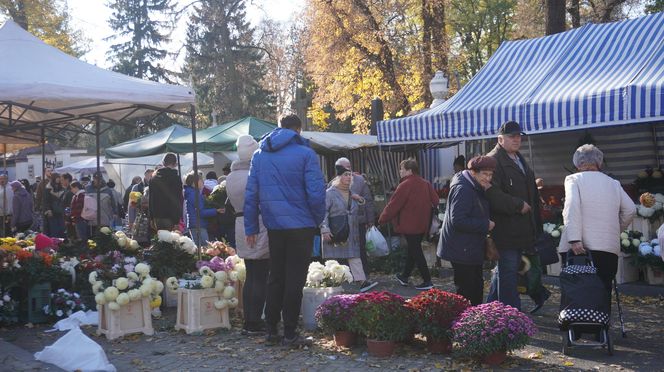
(539, 304)
(401, 280)
(297, 341)
(424, 286)
(367, 285)
(272, 338)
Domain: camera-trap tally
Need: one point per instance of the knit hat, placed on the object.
(482, 162)
(246, 145)
(15, 184)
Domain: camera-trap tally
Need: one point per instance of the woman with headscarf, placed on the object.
(53, 208)
(340, 201)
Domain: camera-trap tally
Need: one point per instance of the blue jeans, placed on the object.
(203, 234)
(504, 280)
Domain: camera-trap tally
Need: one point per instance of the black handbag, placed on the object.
(546, 249)
(339, 227)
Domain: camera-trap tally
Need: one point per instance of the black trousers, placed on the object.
(363, 249)
(254, 292)
(415, 256)
(469, 282)
(290, 255)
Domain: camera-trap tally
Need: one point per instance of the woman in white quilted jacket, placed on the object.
(596, 210)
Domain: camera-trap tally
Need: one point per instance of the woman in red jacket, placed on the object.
(409, 210)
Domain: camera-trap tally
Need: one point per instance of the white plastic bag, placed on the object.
(76, 319)
(376, 243)
(76, 351)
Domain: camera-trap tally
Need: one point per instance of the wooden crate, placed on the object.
(196, 311)
(654, 277)
(32, 310)
(134, 317)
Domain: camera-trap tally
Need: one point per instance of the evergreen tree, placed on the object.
(225, 63)
(141, 26)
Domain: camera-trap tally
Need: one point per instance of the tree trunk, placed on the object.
(555, 16)
(439, 43)
(427, 68)
(574, 12)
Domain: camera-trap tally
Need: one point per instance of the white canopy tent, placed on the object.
(339, 141)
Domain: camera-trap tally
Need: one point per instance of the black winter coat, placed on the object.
(466, 222)
(511, 188)
(166, 195)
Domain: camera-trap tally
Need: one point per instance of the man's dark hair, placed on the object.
(460, 161)
(290, 121)
(110, 184)
(67, 176)
(169, 159)
(211, 175)
(411, 165)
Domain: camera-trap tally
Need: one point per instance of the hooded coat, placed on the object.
(166, 195)
(22, 207)
(285, 184)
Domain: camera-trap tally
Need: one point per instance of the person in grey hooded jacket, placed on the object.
(22, 205)
(256, 258)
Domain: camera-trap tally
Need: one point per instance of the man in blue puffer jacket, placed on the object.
(286, 188)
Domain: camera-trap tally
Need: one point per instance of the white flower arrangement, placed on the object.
(332, 274)
(136, 285)
(553, 229)
(183, 242)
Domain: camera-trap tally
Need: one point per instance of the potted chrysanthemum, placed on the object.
(323, 281)
(384, 319)
(334, 316)
(488, 331)
(435, 311)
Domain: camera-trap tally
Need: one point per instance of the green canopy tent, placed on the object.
(150, 144)
(222, 137)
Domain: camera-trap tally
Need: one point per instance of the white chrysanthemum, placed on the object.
(133, 244)
(221, 276)
(219, 286)
(111, 293)
(106, 230)
(135, 294)
(92, 278)
(121, 283)
(241, 272)
(229, 292)
(97, 287)
(145, 290)
(315, 266)
(142, 269)
(123, 299)
(100, 299)
(122, 242)
(220, 304)
(165, 236)
(207, 281)
(555, 233)
(330, 263)
(233, 276)
(114, 306)
(157, 287)
(233, 302)
(120, 234)
(132, 276)
(175, 236)
(172, 284)
(204, 270)
(235, 259)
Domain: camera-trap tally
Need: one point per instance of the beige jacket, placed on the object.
(596, 211)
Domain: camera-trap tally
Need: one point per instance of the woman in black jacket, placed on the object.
(466, 225)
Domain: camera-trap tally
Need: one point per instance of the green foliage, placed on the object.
(225, 63)
(166, 260)
(655, 6)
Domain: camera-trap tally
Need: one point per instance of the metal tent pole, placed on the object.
(98, 152)
(197, 194)
(530, 152)
(382, 181)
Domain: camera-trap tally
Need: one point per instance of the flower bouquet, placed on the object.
(117, 291)
(8, 309)
(220, 249)
(323, 281)
(490, 330)
(649, 259)
(63, 304)
(630, 241)
(171, 254)
(106, 241)
(435, 311)
(135, 197)
(334, 315)
(384, 319)
(332, 274)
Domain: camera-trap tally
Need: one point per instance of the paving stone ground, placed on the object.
(169, 350)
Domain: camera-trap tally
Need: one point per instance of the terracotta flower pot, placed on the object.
(344, 338)
(443, 346)
(380, 348)
(495, 358)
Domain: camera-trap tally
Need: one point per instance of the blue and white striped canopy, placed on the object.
(593, 76)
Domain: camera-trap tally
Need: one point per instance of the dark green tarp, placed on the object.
(222, 137)
(150, 144)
